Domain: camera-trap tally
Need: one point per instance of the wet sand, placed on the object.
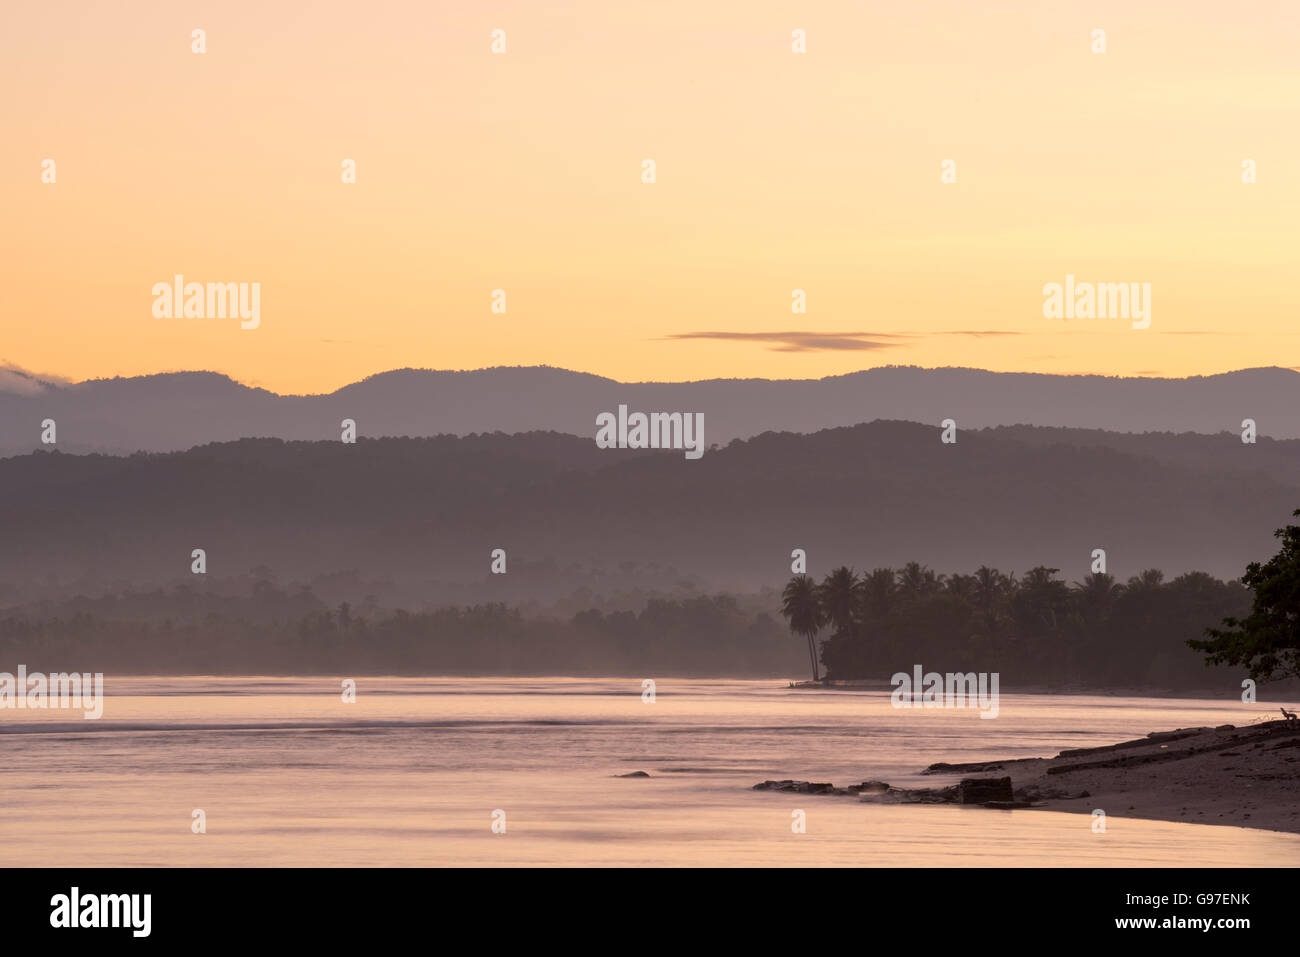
(1238, 776)
(1247, 777)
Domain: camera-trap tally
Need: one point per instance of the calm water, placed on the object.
(411, 773)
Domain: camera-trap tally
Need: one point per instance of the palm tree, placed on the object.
(800, 603)
(1096, 595)
(991, 593)
(876, 593)
(916, 581)
(990, 585)
(837, 596)
(961, 586)
(1040, 576)
(1149, 579)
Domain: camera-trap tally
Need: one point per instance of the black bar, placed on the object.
(915, 907)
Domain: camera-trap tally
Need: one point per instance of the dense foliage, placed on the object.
(1267, 641)
(1033, 629)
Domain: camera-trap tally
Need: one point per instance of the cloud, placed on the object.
(803, 341)
(16, 381)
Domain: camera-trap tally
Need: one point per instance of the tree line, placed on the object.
(1035, 628)
(188, 632)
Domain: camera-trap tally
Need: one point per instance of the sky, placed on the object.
(522, 171)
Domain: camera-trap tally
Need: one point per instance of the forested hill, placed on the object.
(421, 517)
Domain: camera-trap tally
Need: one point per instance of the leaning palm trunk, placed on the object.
(812, 654)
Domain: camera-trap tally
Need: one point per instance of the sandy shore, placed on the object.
(1245, 777)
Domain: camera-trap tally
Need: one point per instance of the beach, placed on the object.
(1245, 776)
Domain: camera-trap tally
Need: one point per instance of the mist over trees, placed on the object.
(1036, 629)
(187, 631)
(640, 562)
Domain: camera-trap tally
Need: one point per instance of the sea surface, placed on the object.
(415, 771)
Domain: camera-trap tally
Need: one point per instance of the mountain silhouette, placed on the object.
(175, 411)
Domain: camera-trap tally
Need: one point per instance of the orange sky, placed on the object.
(522, 171)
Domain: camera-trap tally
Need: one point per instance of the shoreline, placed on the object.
(1208, 693)
(1231, 776)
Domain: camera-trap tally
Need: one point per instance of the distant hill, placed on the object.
(418, 518)
(180, 410)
